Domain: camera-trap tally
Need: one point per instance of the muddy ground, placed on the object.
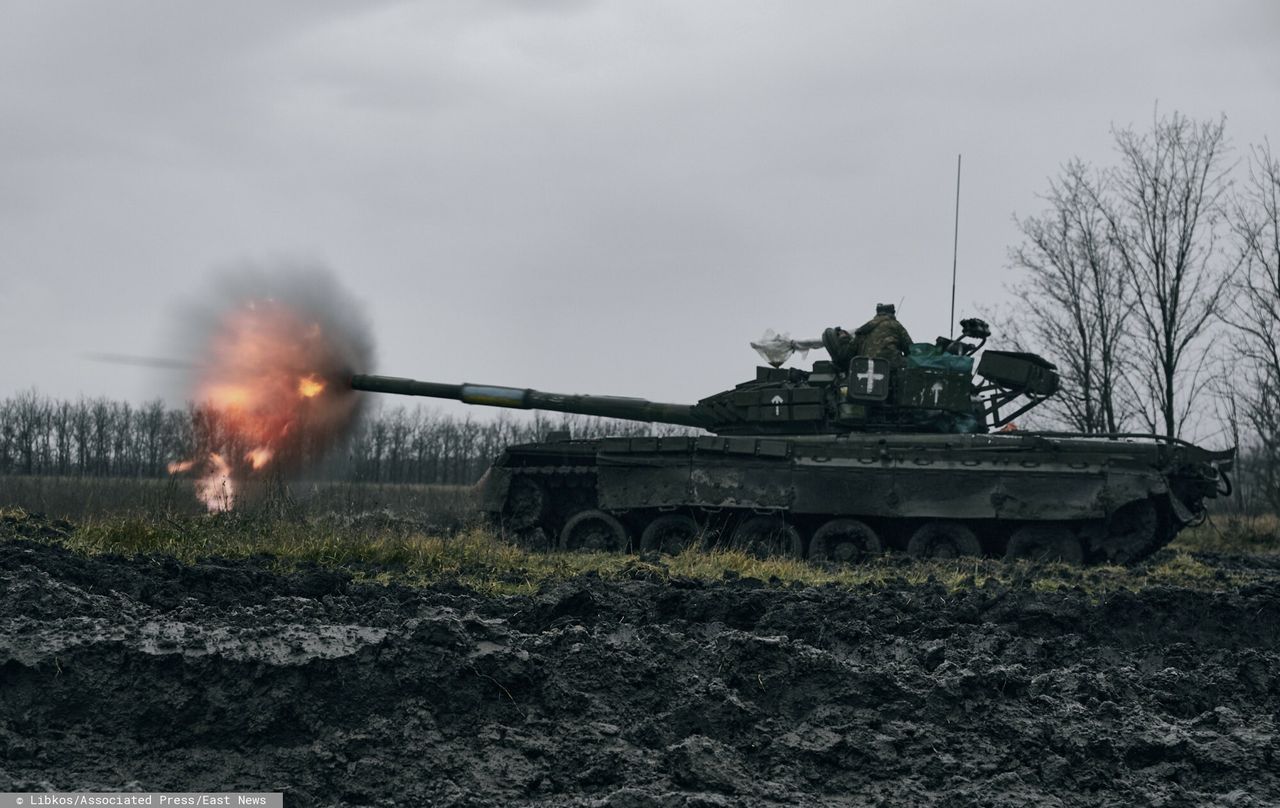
(121, 674)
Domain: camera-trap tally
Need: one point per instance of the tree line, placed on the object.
(98, 437)
(1154, 284)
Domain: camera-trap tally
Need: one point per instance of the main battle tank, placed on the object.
(913, 453)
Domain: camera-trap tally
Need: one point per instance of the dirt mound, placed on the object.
(19, 524)
(143, 673)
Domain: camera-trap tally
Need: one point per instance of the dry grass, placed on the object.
(89, 498)
(1258, 535)
(81, 497)
(421, 534)
(474, 557)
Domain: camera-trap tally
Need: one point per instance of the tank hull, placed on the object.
(1081, 499)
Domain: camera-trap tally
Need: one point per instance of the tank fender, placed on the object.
(1124, 487)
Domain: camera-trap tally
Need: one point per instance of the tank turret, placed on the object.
(930, 389)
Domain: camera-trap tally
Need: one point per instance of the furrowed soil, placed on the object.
(145, 673)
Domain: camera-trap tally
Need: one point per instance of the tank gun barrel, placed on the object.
(633, 409)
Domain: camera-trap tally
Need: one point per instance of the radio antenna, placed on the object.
(955, 251)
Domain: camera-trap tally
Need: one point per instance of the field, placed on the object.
(360, 655)
(435, 507)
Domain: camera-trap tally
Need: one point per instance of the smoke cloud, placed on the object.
(272, 351)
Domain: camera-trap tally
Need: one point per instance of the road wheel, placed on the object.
(764, 536)
(594, 531)
(843, 540)
(943, 540)
(670, 533)
(1045, 542)
(526, 503)
(1131, 532)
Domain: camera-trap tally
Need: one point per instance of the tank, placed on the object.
(856, 456)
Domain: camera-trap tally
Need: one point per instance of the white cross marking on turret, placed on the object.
(871, 376)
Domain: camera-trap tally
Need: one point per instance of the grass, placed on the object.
(92, 498)
(1233, 534)
(399, 552)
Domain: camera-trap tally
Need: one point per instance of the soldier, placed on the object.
(881, 337)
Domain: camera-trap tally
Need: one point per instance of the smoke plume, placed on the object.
(273, 354)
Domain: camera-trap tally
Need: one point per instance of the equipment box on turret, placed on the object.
(931, 389)
(1024, 372)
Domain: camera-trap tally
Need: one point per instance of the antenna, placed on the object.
(955, 251)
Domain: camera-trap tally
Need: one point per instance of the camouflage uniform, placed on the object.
(881, 337)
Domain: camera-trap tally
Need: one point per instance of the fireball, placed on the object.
(216, 488)
(271, 393)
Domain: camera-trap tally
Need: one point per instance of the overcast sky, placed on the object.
(597, 197)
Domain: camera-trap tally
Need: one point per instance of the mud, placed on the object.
(121, 674)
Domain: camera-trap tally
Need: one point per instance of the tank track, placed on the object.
(558, 507)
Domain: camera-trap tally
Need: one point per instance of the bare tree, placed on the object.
(123, 441)
(1075, 302)
(1164, 215)
(151, 437)
(60, 418)
(103, 426)
(1254, 316)
(30, 424)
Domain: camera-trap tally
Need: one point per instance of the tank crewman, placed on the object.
(881, 337)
